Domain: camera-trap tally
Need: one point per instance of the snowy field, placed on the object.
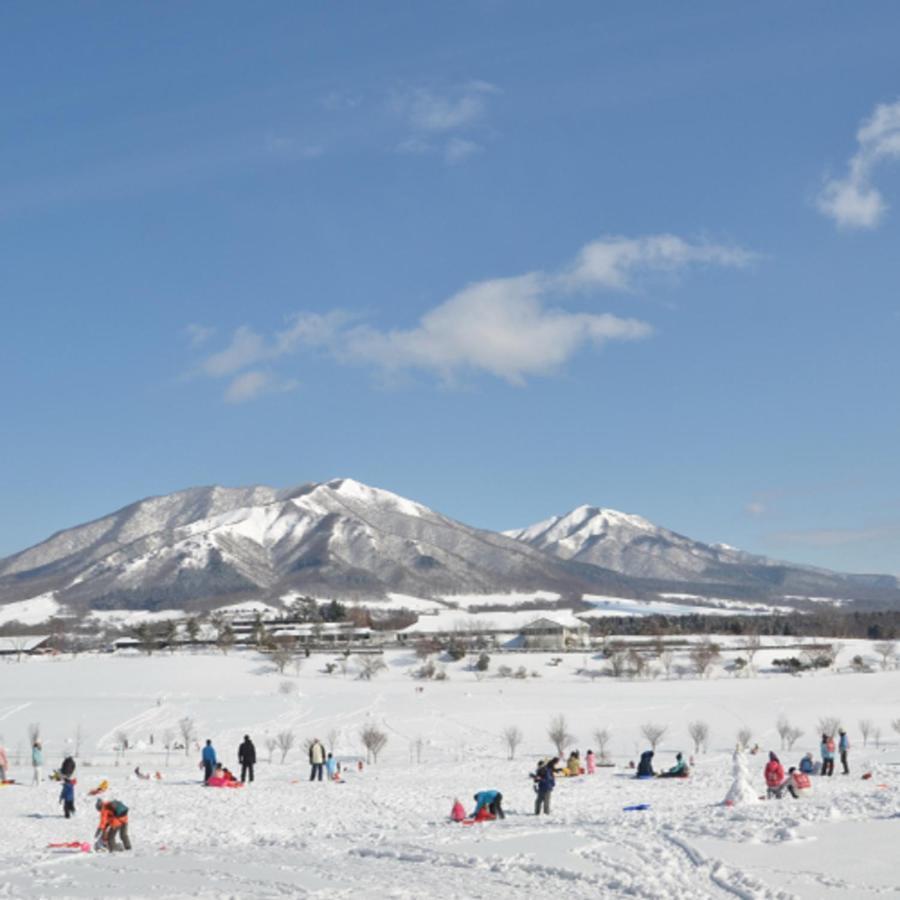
(384, 832)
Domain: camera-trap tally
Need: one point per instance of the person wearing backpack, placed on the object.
(113, 824)
(827, 750)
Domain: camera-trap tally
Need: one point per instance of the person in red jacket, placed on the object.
(775, 780)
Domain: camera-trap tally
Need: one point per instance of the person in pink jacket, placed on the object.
(590, 762)
(4, 763)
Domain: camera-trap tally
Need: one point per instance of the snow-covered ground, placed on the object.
(384, 832)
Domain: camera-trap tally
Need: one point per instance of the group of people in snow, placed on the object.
(645, 767)
(797, 778)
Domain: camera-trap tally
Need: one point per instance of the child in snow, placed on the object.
(590, 762)
(679, 770)
(113, 824)
(37, 762)
(67, 797)
(573, 764)
(331, 767)
(827, 750)
(491, 801)
(797, 783)
(645, 766)
(544, 782)
(775, 780)
(806, 764)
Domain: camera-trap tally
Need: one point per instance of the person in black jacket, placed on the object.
(645, 766)
(67, 769)
(247, 758)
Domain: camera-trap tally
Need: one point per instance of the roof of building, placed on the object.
(22, 643)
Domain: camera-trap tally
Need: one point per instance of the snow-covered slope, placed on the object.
(335, 538)
(635, 547)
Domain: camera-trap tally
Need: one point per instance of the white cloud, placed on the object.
(246, 349)
(852, 201)
(252, 384)
(756, 508)
(511, 328)
(610, 261)
(836, 537)
(453, 109)
(499, 326)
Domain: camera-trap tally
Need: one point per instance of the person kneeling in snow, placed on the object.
(645, 766)
(679, 770)
(775, 780)
(798, 783)
(491, 801)
(113, 823)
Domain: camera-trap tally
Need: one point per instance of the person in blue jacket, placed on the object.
(645, 766)
(67, 797)
(544, 782)
(492, 800)
(209, 761)
(806, 764)
(844, 749)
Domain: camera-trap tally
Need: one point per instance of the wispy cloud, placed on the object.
(442, 121)
(197, 334)
(511, 328)
(255, 383)
(610, 262)
(853, 201)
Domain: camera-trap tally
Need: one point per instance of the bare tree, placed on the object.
(370, 666)
(895, 724)
(783, 727)
(285, 741)
(699, 732)
(512, 737)
(618, 662)
(298, 664)
(637, 663)
(829, 725)
(186, 727)
(865, 729)
(887, 650)
(280, 656)
(751, 647)
(20, 645)
(373, 739)
(653, 733)
(792, 735)
(170, 634)
(558, 732)
(667, 660)
(331, 738)
(744, 736)
(271, 744)
(193, 629)
(602, 736)
(122, 740)
(876, 736)
(703, 655)
(226, 638)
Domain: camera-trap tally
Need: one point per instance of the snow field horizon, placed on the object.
(384, 831)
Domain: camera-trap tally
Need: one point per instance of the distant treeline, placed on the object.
(882, 625)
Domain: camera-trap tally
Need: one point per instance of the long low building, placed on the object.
(533, 629)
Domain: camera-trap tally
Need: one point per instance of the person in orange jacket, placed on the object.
(113, 824)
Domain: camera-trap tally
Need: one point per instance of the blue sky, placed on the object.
(502, 258)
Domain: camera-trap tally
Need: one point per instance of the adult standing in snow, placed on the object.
(208, 758)
(247, 758)
(37, 762)
(827, 750)
(4, 763)
(844, 748)
(544, 783)
(774, 774)
(316, 759)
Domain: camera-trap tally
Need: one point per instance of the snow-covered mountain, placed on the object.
(209, 546)
(198, 546)
(633, 546)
